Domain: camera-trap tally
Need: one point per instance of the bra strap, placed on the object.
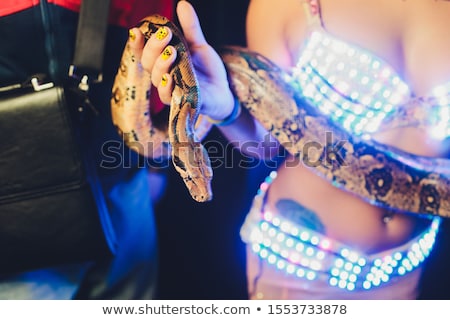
(312, 12)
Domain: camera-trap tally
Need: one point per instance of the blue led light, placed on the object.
(310, 255)
(362, 93)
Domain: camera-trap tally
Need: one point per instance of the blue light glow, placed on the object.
(362, 93)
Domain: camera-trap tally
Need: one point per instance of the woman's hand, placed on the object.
(157, 56)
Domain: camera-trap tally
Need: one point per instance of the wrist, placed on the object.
(228, 120)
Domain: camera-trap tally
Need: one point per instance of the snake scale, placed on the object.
(379, 174)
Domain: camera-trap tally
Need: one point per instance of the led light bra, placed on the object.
(360, 92)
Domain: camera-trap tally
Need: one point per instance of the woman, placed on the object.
(388, 32)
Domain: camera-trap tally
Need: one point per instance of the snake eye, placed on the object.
(123, 68)
(116, 95)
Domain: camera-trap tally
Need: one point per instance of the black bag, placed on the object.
(48, 212)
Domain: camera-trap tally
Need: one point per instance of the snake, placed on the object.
(176, 135)
(379, 174)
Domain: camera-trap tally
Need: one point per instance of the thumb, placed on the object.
(190, 24)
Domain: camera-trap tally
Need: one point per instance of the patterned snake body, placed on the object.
(382, 175)
(379, 174)
(156, 136)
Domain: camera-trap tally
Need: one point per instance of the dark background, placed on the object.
(201, 254)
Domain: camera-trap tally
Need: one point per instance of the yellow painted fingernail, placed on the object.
(161, 33)
(132, 35)
(164, 80)
(167, 53)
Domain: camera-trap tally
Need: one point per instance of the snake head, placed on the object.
(199, 192)
(196, 175)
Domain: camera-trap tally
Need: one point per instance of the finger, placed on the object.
(190, 24)
(136, 42)
(165, 88)
(162, 64)
(155, 46)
